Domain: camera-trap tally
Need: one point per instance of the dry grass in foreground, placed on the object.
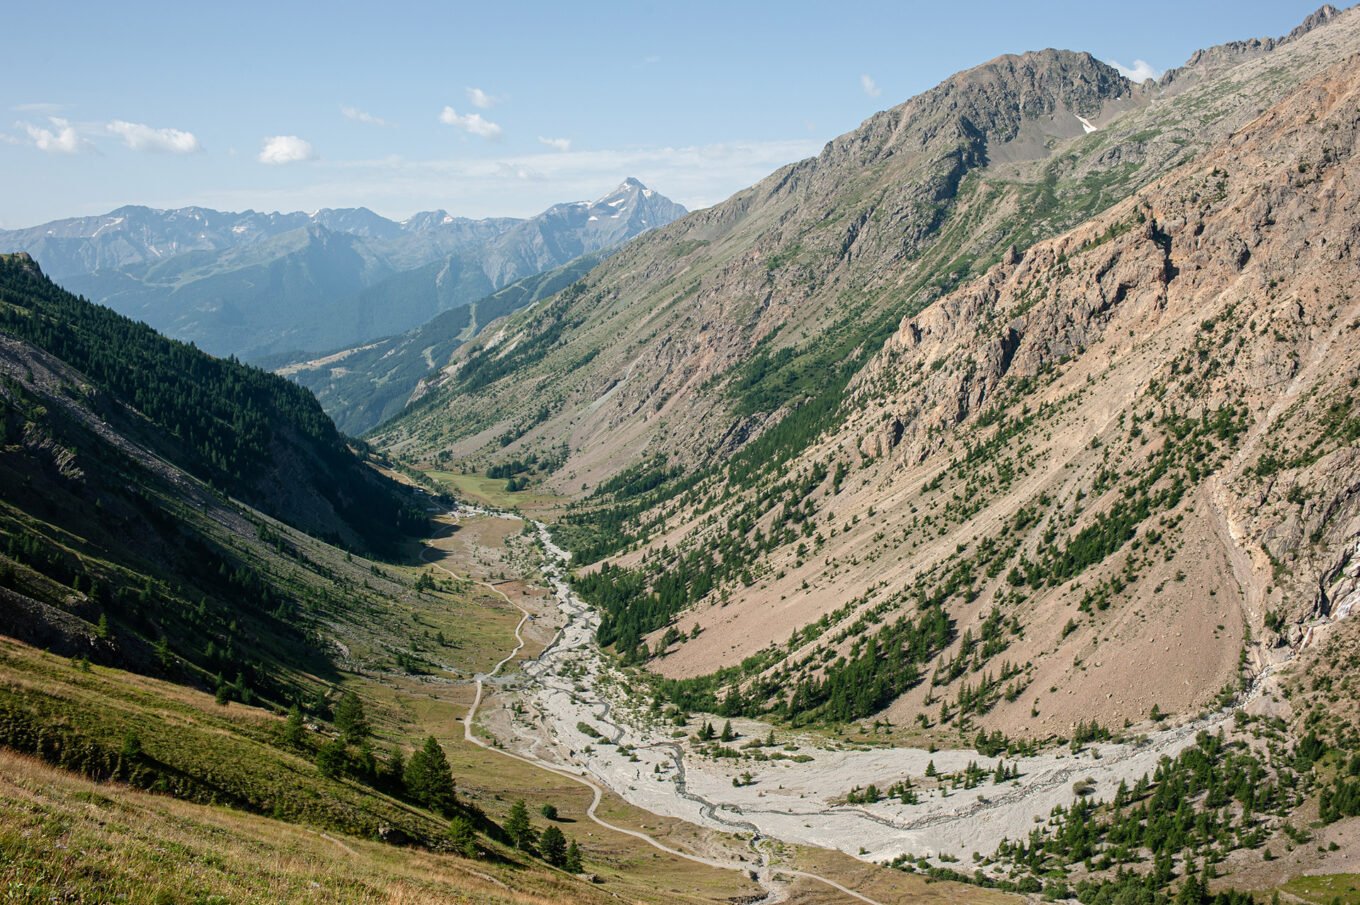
(64, 838)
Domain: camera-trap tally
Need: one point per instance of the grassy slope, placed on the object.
(65, 838)
(214, 755)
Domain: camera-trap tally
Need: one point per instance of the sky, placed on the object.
(498, 109)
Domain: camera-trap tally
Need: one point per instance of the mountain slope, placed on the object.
(1120, 468)
(701, 335)
(724, 385)
(115, 504)
(364, 386)
(154, 632)
(257, 284)
(247, 432)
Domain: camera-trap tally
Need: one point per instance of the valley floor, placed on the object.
(568, 708)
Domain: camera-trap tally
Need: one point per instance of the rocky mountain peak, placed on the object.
(1320, 16)
(988, 104)
(1207, 61)
(627, 190)
(996, 95)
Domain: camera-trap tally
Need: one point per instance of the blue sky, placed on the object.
(496, 109)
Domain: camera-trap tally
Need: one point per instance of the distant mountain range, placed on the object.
(255, 285)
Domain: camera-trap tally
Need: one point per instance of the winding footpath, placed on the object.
(764, 875)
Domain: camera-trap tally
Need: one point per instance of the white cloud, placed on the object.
(480, 99)
(62, 138)
(360, 116)
(141, 137)
(286, 149)
(560, 144)
(470, 122)
(870, 87)
(1140, 71)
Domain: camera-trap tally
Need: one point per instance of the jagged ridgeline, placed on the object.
(246, 432)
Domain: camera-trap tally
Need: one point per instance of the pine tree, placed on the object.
(429, 780)
(350, 718)
(394, 773)
(727, 733)
(463, 837)
(330, 759)
(292, 727)
(553, 846)
(163, 655)
(572, 862)
(517, 826)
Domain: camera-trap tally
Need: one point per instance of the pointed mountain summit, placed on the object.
(567, 231)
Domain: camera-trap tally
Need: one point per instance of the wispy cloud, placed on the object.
(45, 108)
(560, 144)
(870, 87)
(518, 185)
(1140, 71)
(62, 138)
(141, 137)
(472, 123)
(480, 99)
(360, 116)
(280, 149)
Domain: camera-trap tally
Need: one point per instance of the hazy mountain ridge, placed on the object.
(255, 284)
(366, 385)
